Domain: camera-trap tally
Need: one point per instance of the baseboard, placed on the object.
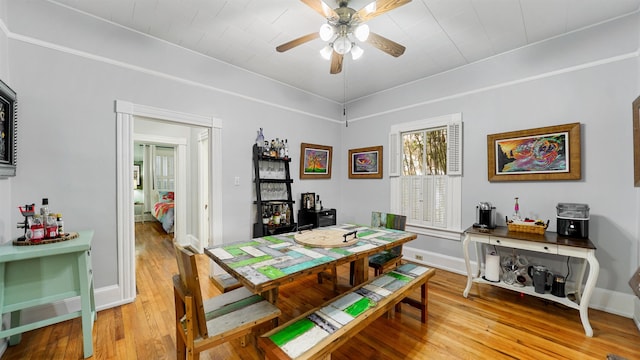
(613, 302)
(636, 312)
(106, 298)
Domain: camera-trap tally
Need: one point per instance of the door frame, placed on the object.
(125, 113)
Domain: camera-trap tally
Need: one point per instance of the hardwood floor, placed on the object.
(491, 324)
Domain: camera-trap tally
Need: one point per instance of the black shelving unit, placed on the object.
(273, 191)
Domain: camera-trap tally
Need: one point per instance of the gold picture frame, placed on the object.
(365, 163)
(546, 153)
(315, 161)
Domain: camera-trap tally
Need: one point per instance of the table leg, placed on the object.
(15, 322)
(271, 295)
(579, 278)
(360, 271)
(594, 269)
(467, 263)
(87, 302)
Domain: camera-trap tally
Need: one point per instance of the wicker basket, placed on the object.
(533, 228)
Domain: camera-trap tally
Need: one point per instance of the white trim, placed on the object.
(98, 58)
(125, 112)
(548, 74)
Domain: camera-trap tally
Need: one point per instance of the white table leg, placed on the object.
(594, 269)
(467, 263)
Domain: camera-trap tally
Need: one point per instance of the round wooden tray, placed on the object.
(67, 236)
(325, 238)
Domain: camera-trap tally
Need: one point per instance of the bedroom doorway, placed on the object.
(126, 116)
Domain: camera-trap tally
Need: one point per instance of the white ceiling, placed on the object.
(439, 34)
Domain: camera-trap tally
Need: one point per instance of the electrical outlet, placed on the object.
(236, 181)
(418, 257)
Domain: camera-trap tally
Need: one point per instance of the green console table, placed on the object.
(44, 274)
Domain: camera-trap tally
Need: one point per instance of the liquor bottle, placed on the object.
(260, 140)
(286, 149)
(50, 227)
(44, 209)
(37, 229)
(60, 224)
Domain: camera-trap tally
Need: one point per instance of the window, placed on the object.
(164, 168)
(426, 169)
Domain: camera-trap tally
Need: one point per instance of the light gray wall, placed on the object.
(68, 69)
(68, 133)
(6, 209)
(589, 77)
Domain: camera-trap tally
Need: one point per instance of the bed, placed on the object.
(163, 210)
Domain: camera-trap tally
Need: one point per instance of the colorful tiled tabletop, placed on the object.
(265, 263)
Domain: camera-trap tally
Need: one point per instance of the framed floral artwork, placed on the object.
(365, 163)
(315, 161)
(546, 153)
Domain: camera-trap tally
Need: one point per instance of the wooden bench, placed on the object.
(318, 332)
(204, 323)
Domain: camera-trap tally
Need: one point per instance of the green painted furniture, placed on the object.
(44, 274)
(320, 331)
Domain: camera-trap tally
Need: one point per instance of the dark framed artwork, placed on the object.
(137, 175)
(308, 201)
(8, 131)
(315, 161)
(546, 153)
(365, 163)
(636, 141)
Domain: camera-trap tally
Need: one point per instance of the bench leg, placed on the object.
(424, 302)
(420, 305)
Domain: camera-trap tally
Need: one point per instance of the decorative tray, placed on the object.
(67, 236)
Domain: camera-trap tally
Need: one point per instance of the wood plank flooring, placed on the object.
(491, 324)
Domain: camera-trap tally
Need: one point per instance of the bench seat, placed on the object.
(318, 332)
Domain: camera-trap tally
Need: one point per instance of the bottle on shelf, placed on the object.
(60, 224)
(260, 140)
(44, 209)
(318, 203)
(50, 227)
(286, 149)
(36, 233)
(516, 210)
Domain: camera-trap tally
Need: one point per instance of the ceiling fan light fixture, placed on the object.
(326, 32)
(342, 45)
(362, 32)
(326, 52)
(356, 52)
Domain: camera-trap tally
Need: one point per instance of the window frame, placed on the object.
(453, 122)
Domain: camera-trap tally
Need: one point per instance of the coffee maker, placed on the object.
(485, 216)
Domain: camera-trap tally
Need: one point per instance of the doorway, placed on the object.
(126, 113)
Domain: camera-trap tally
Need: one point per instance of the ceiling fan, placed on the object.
(343, 24)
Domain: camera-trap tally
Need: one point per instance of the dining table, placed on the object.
(265, 263)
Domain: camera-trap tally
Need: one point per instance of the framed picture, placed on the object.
(547, 153)
(8, 131)
(137, 175)
(636, 142)
(308, 201)
(365, 163)
(315, 161)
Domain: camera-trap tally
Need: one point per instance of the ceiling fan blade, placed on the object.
(336, 63)
(321, 7)
(390, 47)
(295, 42)
(382, 6)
